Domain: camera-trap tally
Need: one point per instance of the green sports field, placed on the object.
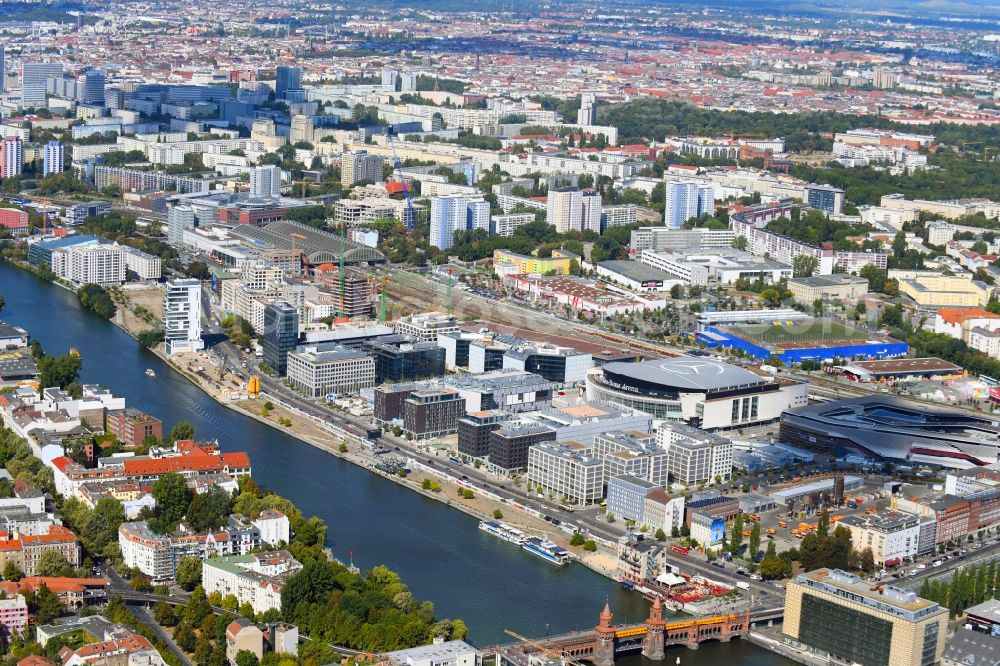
(819, 330)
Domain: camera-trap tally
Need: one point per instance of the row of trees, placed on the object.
(968, 586)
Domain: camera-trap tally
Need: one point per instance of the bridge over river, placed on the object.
(605, 641)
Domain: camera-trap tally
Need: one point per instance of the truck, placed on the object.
(743, 585)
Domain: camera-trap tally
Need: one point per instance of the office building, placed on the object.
(359, 166)
(287, 78)
(182, 316)
(432, 413)
(587, 115)
(567, 471)
(843, 618)
(695, 456)
(891, 536)
(90, 87)
(265, 181)
(3, 68)
(474, 433)
(560, 365)
(662, 239)
(626, 497)
(686, 200)
(324, 369)
(281, 335)
(53, 160)
(509, 445)
(400, 358)
(179, 218)
(632, 454)
(509, 390)
(826, 198)
(34, 77)
(11, 157)
(426, 327)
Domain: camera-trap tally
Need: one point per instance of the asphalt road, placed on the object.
(143, 615)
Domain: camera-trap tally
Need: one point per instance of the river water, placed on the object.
(439, 552)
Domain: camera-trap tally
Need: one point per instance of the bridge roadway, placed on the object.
(631, 638)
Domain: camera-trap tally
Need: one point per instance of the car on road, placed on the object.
(937, 563)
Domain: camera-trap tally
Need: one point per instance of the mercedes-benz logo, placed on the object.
(700, 368)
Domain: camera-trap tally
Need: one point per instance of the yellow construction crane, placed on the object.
(554, 654)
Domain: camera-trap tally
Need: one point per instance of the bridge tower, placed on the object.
(604, 649)
(652, 644)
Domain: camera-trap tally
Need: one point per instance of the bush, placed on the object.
(590, 545)
(498, 514)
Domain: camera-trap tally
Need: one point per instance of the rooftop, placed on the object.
(686, 372)
(890, 599)
(441, 652)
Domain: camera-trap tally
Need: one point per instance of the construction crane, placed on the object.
(554, 654)
(411, 218)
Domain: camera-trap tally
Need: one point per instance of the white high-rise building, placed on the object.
(564, 209)
(587, 115)
(590, 215)
(686, 200)
(408, 82)
(53, 161)
(389, 78)
(11, 157)
(448, 214)
(265, 181)
(182, 316)
(478, 215)
(3, 69)
(360, 166)
(568, 209)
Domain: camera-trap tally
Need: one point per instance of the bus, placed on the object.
(680, 550)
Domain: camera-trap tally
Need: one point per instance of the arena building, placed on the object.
(701, 392)
(794, 341)
(885, 427)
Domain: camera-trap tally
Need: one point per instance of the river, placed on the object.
(439, 552)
